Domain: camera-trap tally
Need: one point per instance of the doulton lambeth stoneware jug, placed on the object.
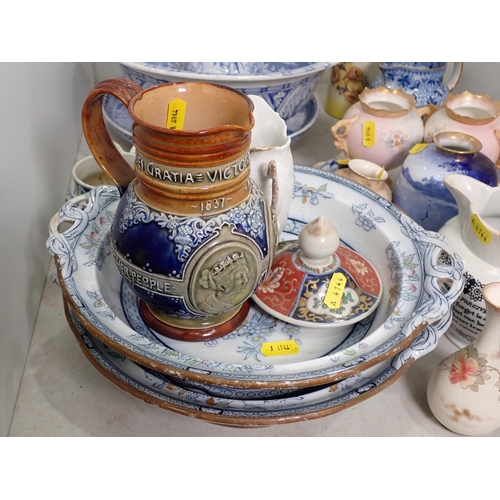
(192, 235)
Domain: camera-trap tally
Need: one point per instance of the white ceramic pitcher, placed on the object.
(475, 235)
(271, 157)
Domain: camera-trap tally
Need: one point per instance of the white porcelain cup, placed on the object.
(87, 174)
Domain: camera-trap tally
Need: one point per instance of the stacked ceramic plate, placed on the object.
(231, 380)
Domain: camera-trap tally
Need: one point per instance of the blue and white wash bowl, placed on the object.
(286, 86)
(421, 278)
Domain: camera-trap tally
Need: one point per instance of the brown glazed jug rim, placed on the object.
(190, 132)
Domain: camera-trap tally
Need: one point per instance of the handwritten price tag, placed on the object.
(480, 230)
(279, 348)
(175, 115)
(368, 134)
(417, 148)
(333, 297)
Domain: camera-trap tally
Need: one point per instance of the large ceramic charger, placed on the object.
(421, 278)
(157, 389)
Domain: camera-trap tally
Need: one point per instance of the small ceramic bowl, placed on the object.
(286, 86)
(87, 174)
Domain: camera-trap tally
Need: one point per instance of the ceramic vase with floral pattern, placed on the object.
(346, 83)
(464, 390)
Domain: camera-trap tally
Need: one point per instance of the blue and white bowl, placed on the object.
(421, 276)
(286, 86)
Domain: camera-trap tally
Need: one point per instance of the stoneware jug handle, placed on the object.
(340, 131)
(102, 147)
(455, 75)
(77, 212)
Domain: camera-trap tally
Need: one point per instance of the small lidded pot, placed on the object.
(317, 283)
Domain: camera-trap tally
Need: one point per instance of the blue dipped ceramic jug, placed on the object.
(419, 188)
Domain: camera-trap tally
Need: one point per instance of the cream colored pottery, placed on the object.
(369, 175)
(464, 390)
(347, 81)
(382, 127)
(475, 235)
(475, 114)
(271, 159)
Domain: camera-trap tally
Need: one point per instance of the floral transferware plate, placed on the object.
(154, 388)
(421, 279)
(117, 117)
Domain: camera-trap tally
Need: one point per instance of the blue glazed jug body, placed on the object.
(419, 188)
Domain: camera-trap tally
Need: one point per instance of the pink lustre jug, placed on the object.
(474, 114)
(382, 127)
(192, 235)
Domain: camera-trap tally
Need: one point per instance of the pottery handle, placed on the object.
(272, 171)
(340, 131)
(444, 279)
(102, 147)
(77, 213)
(455, 76)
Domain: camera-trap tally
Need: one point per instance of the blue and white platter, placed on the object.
(157, 389)
(421, 278)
